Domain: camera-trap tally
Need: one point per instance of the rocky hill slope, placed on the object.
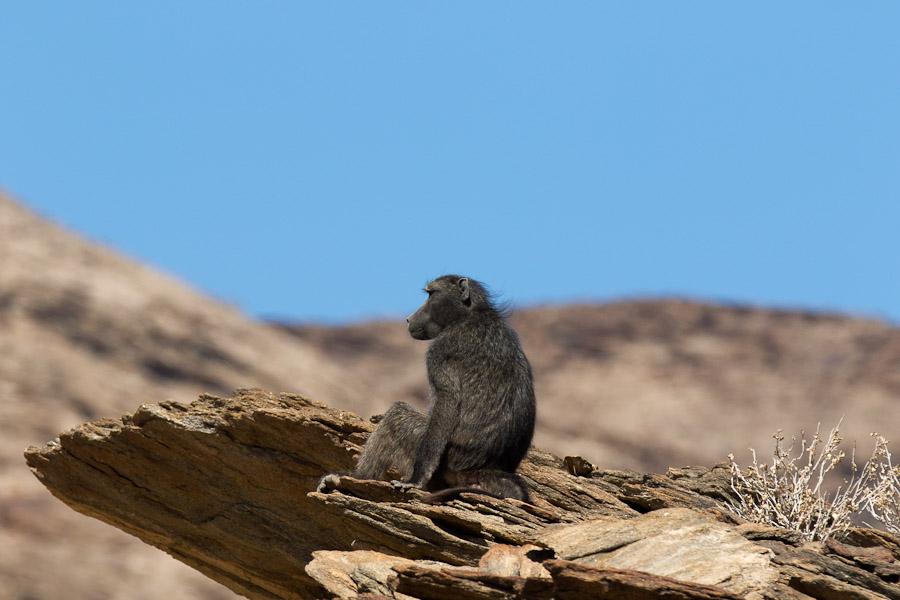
(221, 484)
(85, 333)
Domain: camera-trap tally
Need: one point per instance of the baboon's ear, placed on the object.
(463, 284)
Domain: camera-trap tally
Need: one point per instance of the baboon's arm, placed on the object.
(443, 416)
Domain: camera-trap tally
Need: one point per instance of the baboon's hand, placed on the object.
(403, 485)
(328, 482)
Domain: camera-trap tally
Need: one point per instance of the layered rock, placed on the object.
(225, 486)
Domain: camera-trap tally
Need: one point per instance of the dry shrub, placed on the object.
(790, 492)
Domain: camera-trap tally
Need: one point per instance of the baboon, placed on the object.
(481, 415)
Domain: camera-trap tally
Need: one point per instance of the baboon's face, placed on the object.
(447, 303)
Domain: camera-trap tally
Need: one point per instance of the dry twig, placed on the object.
(790, 492)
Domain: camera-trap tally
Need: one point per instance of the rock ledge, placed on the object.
(224, 486)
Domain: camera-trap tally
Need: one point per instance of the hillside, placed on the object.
(87, 333)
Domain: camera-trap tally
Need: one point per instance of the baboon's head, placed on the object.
(450, 300)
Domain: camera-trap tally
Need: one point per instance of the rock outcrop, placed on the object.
(224, 485)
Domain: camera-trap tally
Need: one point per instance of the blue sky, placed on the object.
(322, 161)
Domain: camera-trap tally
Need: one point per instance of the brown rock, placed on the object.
(516, 561)
(350, 574)
(223, 485)
(677, 542)
(576, 582)
(453, 584)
